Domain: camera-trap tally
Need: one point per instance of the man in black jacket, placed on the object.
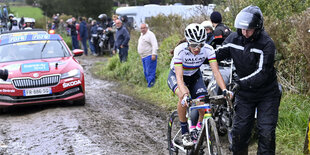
(221, 31)
(253, 53)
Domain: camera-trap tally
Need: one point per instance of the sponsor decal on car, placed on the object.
(40, 36)
(31, 67)
(72, 83)
(17, 39)
(7, 90)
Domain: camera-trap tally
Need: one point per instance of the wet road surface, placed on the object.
(109, 123)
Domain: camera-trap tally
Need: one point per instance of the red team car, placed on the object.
(41, 69)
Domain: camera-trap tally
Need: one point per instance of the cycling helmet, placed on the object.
(11, 15)
(250, 17)
(102, 16)
(195, 33)
(207, 24)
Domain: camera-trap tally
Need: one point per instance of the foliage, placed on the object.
(131, 72)
(27, 11)
(88, 8)
(31, 12)
(29, 2)
(285, 21)
(292, 123)
(163, 2)
(165, 26)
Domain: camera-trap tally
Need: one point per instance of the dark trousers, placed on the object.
(75, 43)
(84, 43)
(267, 117)
(149, 68)
(91, 46)
(123, 54)
(96, 45)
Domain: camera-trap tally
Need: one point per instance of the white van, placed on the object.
(138, 14)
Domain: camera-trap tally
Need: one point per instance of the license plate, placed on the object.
(37, 91)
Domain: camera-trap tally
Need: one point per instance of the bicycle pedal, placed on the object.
(188, 147)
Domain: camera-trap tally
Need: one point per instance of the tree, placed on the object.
(29, 2)
(88, 8)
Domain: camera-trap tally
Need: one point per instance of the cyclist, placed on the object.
(185, 78)
(253, 53)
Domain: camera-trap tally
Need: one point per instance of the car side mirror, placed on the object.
(77, 52)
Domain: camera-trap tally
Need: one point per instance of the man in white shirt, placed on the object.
(147, 48)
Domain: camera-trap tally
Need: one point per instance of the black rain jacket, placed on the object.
(254, 62)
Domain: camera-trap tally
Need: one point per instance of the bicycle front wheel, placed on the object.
(174, 135)
(212, 138)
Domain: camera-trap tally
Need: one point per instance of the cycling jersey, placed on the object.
(190, 62)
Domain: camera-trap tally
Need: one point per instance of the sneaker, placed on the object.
(187, 141)
(194, 135)
(199, 126)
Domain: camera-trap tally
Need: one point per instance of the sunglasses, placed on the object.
(193, 45)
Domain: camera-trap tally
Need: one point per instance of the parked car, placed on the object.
(42, 69)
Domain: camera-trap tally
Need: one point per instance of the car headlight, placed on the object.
(73, 73)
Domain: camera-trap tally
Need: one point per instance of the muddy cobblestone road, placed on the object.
(109, 123)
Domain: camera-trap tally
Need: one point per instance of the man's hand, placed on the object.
(121, 46)
(153, 57)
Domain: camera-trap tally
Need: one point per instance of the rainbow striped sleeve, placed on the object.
(178, 64)
(212, 60)
(190, 68)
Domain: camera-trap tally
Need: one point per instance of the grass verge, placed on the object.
(293, 112)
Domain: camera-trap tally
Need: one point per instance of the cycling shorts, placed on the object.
(194, 83)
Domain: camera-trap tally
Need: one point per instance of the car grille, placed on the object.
(32, 83)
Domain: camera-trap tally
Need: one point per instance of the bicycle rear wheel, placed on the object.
(174, 135)
(212, 138)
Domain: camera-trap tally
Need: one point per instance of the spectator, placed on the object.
(61, 26)
(147, 48)
(221, 31)
(125, 23)
(77, 25)
(253, 53)
(209, 29)
(28, 25)
(49, 25)
(83, 33)
(91, 45)
(73, 32)
(121, 43)
(94, 37)
(106, 23)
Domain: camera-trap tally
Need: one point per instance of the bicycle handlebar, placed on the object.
(206, 99)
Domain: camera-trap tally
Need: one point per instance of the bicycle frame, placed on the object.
(204, 131)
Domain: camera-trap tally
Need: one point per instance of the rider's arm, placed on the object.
(180, 81)
(217, 74)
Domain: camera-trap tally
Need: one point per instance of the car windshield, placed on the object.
(32, 50)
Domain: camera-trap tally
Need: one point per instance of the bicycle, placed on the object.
(208, 139)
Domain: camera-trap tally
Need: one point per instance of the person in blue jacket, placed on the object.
(122, 39)
(83, 33)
